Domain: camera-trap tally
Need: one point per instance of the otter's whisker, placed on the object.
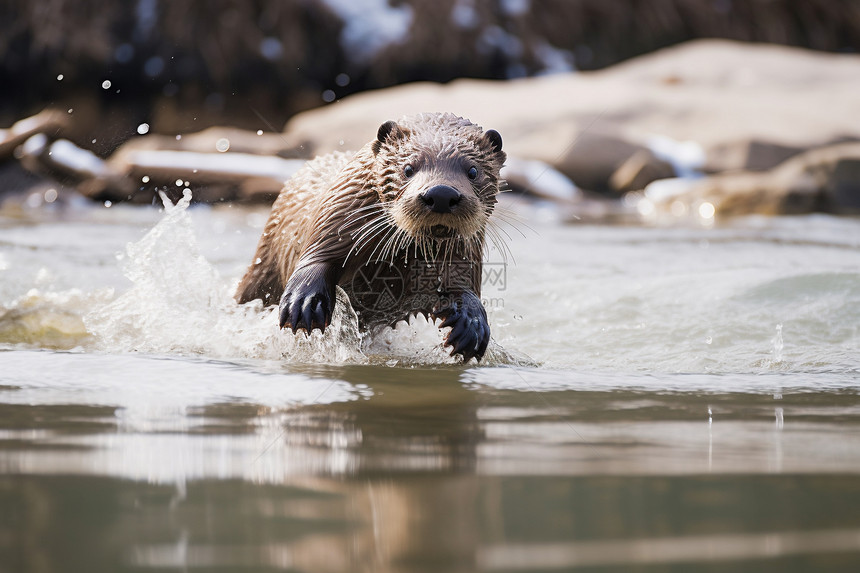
(513, 219)
(361, 212)
(367, 232)
(402, 243)
(500, 244)
(384, 244)
(371, 228)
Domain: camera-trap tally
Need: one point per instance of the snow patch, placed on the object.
(370, 26)
(464, 15)
(554, 60)
(686, 157)
(540, 179)
(515, 7)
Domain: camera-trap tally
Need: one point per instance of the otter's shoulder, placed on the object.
(319, 172)
(328, 163)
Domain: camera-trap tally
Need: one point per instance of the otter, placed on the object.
(400, 225)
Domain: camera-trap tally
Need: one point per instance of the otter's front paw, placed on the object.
(470, 333)
(306, 304)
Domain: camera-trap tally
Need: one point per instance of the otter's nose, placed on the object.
(441, 198)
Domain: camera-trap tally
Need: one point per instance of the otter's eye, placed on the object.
(472, 173)
(409, 171)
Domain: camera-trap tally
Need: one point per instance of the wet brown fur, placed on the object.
(360, 213)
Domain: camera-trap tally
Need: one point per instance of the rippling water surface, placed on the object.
(656, 399)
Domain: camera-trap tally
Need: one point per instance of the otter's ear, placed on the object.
(493, 139)
(387, 131)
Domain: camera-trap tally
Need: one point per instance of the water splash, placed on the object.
(179, 304)
(778, 345)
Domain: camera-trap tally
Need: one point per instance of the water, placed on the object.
(656, 399)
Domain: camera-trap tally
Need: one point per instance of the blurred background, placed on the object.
(185, 65)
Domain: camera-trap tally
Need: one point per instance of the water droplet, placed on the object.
(34, 200)
(143, 128)
(222, 145)
(71, 110)
(108, 204)
(93, 141)
(518, 317)
(60, 78)
(258, 260)
(106, 84)
(188, 183)
(707, 210)
(50, 195)
(342, 80)
(178, 137)
(271, 48)
(328, 96)
(778, 344)
(145, 179)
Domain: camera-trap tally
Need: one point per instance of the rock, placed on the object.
(594, 157)
(748, 108)
(843, 186)
(213, 177)
(138, 170)
(639, 170)
(48, 121)
(540, 180)
(750, 155)
(216, 139)
(825, 179)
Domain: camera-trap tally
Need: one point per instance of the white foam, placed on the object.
(179, 304)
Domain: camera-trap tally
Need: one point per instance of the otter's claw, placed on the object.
(470, 333)
(305, 304)
(308, 311)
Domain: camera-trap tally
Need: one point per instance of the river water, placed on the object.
(656, 398)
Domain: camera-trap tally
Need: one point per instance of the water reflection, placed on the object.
(418, 469)
(424, 523)
(415, 420)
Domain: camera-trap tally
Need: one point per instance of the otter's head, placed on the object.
(438, 176)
